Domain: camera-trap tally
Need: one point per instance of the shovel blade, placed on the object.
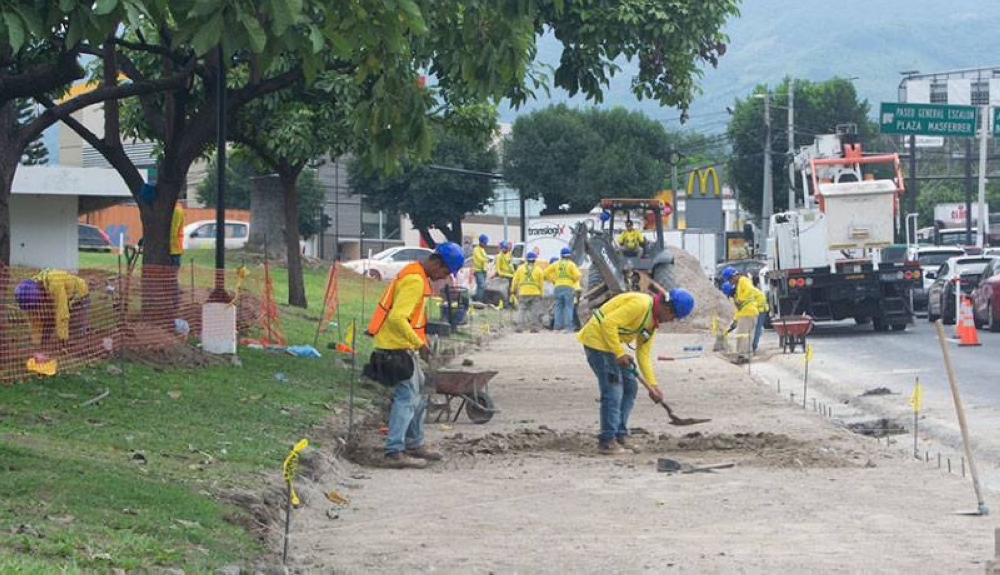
(682, 421)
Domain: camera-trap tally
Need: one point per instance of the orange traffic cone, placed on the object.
(967, 332)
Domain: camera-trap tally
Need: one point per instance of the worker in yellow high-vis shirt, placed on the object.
(631, 241)
(480, 265)
(751, 304)
(563, 275)
(53, 300)
(399, 326)
(626, 318)
(504, 265)
(527, 287)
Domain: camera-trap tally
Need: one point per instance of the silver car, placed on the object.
(930, 259)
(961, 272)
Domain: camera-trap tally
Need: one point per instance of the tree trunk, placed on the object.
(454, 231)
(10, 155)
(290, 193)
(159, 278)
(267, 217)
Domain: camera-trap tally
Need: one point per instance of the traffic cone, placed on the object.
(967, 334)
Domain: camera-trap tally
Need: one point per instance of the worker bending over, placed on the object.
(53, 300)
(626, 318)
(751, 310)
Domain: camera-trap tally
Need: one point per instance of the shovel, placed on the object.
(674, 420)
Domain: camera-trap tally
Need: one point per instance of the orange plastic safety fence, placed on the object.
(55, 321)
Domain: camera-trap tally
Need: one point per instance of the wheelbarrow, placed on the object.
(469, 388)
(792, 331)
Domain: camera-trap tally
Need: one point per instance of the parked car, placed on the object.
(749, 267)
(92, 239)
(964, 271)
(387, 263)
(931, 258)
(986, 297)
(201, 235)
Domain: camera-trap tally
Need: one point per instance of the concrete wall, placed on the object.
(43, 231)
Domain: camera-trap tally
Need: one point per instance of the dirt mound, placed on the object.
(754, 449)
(172, 356)
(687, 273)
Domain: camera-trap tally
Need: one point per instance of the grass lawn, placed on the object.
(133, 481)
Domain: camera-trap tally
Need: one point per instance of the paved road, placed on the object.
(895, 358)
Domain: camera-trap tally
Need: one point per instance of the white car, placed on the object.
(387, 263)
(931, 258)
(963, 271)
(201, 235)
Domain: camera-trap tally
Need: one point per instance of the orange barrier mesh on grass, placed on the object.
(150, 309)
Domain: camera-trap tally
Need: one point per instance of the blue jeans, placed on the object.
(406, 419)
(480, 286)
(563, 308)
(618, 389)
(758, 329)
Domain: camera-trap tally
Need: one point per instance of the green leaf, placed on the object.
(258, 38)
(316, 36)
(204, 8)
(104, 7)
(207, 37)
(283, 15)
(15, 32)
(67, 5)
(31, 20)
(416, 20)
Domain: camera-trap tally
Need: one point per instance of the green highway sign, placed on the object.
(996, 122)
(928, 119)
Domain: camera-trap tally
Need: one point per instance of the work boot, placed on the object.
(422, 452)
(627, 442)
(611, 447)
(399, 460)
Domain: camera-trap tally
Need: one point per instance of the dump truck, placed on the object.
(825, 258)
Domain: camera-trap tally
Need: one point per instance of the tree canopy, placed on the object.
(819, 108)
(434, 198)
(570, 157)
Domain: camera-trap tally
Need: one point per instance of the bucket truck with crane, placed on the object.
(824, 259)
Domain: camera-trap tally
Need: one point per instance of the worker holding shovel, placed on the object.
(626, 318)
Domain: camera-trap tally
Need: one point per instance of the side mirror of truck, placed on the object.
(931, 275)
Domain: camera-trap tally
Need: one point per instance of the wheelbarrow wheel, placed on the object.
(482, 412)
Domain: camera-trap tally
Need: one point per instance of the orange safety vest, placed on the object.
(418, 318)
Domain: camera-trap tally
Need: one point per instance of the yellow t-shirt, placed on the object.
(563, 273)
(480, 261)
(528, 280)
(176, 231)
(630, 240)
(396, 332)
(623, 319)
(504, 266)
(750, 301)
(63, 288)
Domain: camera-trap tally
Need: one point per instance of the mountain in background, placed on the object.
(872, 40)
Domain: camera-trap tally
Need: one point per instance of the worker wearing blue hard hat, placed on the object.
(751, 310)
(563, 274)
(626, 318)
(504, 265)
(480, 266)
(527, 288)
(399, 327)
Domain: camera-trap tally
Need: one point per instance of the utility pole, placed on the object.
(675, 158)
(968, 191)
(984, 224)
(791, 144)
(768, 203)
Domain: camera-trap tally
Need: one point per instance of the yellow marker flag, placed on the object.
(916, 397)
(349, 335)
(291, 465)
(715, 326)
(500, 305)
(809, 352)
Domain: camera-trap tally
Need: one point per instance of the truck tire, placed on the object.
(880, 324)
(899, 327)
(862, 320)
(948, 313)
(993, 323)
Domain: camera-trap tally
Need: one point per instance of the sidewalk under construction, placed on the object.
(765, 487)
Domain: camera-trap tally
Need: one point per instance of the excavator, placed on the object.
(612, 273)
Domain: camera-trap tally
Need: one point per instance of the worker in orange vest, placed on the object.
(399, 326)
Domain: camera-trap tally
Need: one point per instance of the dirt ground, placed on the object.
(527, 492)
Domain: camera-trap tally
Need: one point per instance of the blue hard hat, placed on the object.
(605, 216)
(565, 252)
(532, 256)
(28, 295)
(483, 239)
(553, 259)
(682, 302)
(728, 289)
(503, 244)
(451, 254)
(728, 273)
